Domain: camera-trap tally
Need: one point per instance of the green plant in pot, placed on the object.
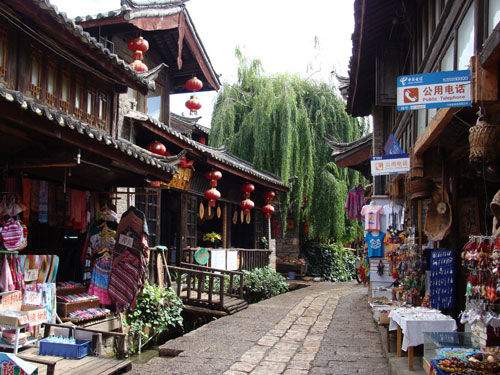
(157, 310)
(212, 239)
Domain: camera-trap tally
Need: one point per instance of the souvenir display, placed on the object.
(355, 200)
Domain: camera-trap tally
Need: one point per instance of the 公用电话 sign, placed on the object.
(386, 165)
(434, 90)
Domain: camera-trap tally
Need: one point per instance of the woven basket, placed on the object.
(420, 188)
(416, 167)
(482, 142)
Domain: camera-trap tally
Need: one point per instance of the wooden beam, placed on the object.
(490, 55)
(484, 82)
(435, 128)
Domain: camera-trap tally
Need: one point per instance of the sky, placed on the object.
(280, 33)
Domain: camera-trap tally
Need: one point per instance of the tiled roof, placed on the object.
(61, 119)
(69, 25)
(131, 13)
(341, 149)
(186, 125)
(220, 154)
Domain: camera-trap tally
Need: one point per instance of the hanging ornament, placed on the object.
(158, 148)
(268, 211)
(247, 205)
(219, 212)
(201, 211)
(212, 195)
(138, 44)
(139, 66)
(194, 84)
(248, 189)
(193, 104)
(235, 216)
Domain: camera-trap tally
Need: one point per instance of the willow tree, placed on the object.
(279, 123)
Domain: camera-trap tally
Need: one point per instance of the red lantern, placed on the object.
(269, 196)
(138, 44)
(248, 188)
(246, 205)
(216, 175)
(268, 210)
(139, 66)
(212, 195)
(137, 55)
(158, 148)
(193, 104)
(194, 84)
(202, 140)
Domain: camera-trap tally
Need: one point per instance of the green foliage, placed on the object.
(332, 262)
(157, 310)
(279, 123)
(263, 283)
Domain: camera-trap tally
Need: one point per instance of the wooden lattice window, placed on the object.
(65, 92)
(35, 85)
(78, 103)
(89, 107)
(102, 110)
(3, 53)
(51, 86)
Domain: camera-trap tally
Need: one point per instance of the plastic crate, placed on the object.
(80, 349)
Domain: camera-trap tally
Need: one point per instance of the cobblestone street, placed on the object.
(323, 329)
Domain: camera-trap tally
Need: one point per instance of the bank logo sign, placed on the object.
(434, 90)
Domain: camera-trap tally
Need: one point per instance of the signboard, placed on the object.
(385, 165)
(434, 90)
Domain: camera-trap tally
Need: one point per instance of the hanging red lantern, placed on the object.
(216, 175)
(248, 188)
(193, 104)
(268, 211)
(194, 84)
(158, 148)
(212, 195)
(202, 140)
(138, 44)
(139, 66)
(246, 205)
(155, 184)
(137, 55)
(269, 196)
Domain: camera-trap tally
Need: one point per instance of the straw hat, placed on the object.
(438, 218)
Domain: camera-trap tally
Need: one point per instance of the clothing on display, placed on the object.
(375, 243)
(354, 202)
(371, 214)
(394, 214)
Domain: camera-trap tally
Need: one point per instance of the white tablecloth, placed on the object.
(416, 321)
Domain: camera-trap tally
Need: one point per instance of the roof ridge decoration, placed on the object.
(151, 3)
(220, 154)
(62, 119)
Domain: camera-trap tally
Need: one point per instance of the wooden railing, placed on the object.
(253, 258)
(235, 282)
(249, 259)
(190, 285)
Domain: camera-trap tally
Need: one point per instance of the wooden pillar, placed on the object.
(225, 242)
(378, 145)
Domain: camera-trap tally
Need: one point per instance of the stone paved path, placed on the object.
(323, 329)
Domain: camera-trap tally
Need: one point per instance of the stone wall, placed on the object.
(289, 245)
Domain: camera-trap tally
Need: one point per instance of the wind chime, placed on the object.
(193, 104)
(268, 209)
(246, 204)
(212, 194)
(138, 46)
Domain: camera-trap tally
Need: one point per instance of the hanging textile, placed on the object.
(354, 202)
(129, 260)
(43, 202)
(6, 281)
(78, 209)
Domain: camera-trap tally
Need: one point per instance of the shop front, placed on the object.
(431, 239)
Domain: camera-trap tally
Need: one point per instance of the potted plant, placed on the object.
(213, 239)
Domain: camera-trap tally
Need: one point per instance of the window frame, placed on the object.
(51, 98)
(78, 92)
(65, 104)
(102, 118)
(35, 89)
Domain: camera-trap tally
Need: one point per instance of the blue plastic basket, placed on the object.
(78, 350)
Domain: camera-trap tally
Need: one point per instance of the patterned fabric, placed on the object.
(129, 260)
(100, 280)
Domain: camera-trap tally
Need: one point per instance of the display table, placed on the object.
(411, 324)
